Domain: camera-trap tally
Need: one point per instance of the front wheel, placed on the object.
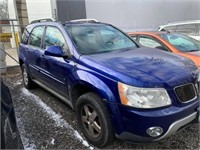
(94, 120)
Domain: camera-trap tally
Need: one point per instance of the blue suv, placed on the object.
(117, 88)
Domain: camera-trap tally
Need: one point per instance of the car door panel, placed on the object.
(35, 52)
(56, 69)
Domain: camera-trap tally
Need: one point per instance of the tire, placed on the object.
(92, 115)
(28, 83)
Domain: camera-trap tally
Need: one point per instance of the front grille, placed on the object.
(186, 92)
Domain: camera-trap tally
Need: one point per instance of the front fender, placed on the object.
(103, 86)
(107, 89)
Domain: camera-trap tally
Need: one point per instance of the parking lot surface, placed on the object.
(45, 122)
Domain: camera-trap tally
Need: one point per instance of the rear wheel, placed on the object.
(28, 83)
(94, 120)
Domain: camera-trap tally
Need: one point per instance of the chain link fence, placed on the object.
(10, 35)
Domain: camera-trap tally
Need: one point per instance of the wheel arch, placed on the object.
(91, 83)
(21, 62)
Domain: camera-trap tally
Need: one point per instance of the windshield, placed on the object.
(182, 42)
(98, 38)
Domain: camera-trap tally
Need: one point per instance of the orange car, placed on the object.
(173, 42)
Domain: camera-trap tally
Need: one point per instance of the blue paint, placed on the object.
(139, 67)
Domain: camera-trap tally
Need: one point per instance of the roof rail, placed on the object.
(84, 20)
(43, 20)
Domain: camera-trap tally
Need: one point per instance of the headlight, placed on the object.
(143, 97)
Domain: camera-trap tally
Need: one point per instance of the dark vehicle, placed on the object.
(116, 88)
(10, 136)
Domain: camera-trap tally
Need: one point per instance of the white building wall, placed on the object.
(12, 15)
(38, 9)
(132, 15)
(11, 9)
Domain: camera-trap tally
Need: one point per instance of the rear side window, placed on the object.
(25, 36)
(189, 29)
(169, 28)
(134, 37)
(147, 42)
(36, 36)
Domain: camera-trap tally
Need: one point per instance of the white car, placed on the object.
(191, 28)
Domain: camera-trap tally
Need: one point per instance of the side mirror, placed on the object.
(55, 51)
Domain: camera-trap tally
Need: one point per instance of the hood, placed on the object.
(144, 67)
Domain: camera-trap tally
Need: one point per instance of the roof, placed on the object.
(66, 22)
(147, 32)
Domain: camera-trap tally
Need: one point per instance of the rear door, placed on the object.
(34, 52)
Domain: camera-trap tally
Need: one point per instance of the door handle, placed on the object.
(42, 57)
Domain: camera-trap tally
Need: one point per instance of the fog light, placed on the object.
(154, 131)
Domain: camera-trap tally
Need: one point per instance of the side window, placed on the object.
(147, 42)
(190, 29)
(169, 28)
(54, 37)
(36, 36)
(25, 36)
(134, 37)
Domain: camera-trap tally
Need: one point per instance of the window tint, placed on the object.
(53, 36)
(190, 29)
(147, 42)
(36, 36)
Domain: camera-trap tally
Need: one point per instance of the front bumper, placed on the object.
(133, 124)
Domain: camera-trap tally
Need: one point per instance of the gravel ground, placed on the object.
(45, 122)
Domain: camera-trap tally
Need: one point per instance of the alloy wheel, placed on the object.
(91, 121)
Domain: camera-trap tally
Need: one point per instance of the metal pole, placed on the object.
(9, 55)
(13, 28)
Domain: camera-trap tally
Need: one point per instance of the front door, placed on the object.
(57, 69)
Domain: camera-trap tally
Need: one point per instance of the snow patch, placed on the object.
(18, 82)
(53, 141)
(59, 121)
(27, 143)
